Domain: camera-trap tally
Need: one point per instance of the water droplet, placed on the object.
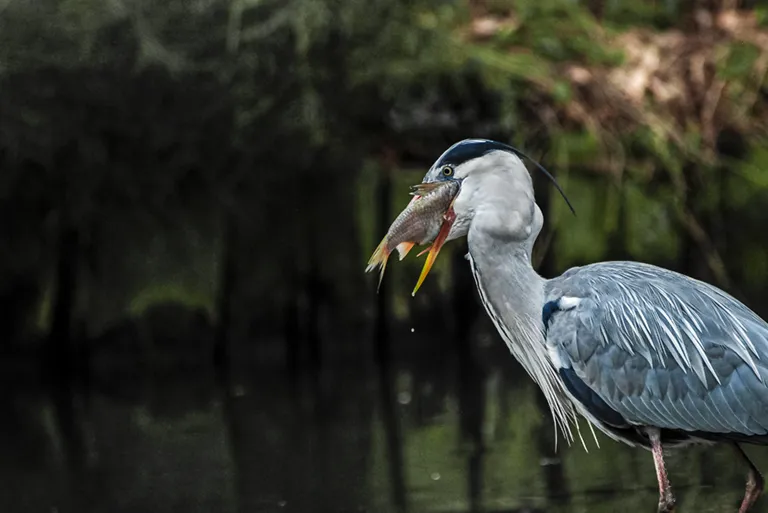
(412, 330)
(404, 397)
(435, 476)
(282, 503)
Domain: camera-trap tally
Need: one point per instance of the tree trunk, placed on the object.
(617, 240)
(384, 198)
(693, 260)
(222, 342)
(544, 259)
(59, 355)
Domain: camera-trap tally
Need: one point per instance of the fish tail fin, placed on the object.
(379, 259)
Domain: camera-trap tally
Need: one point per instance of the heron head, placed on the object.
(491, 199)
(495, 195)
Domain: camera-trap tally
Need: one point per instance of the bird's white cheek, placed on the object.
(501, 224)
(462, 205)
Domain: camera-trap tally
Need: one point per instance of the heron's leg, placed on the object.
(666, 499)
(754, 482)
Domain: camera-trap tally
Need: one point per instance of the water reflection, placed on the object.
(467, 435)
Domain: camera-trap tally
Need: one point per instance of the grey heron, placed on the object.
(648, 356)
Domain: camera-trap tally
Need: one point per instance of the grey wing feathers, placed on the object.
(663, 349)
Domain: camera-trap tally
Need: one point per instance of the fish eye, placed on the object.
(447, 171)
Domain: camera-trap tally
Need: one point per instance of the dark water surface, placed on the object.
(418, 438)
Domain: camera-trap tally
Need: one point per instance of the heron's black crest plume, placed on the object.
(469, 149)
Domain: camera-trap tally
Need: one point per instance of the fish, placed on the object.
(426, 219)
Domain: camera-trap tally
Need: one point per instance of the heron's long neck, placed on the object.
(514, 290)
(513, 295)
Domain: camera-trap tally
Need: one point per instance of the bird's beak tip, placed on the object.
(437, 245)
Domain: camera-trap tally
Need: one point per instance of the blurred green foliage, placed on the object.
(130, 122)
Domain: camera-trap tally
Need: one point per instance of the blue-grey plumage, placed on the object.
(662, 349)
(648, 356)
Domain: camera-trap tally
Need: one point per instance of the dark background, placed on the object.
(190, 190)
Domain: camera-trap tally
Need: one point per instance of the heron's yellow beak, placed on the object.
(448, 219)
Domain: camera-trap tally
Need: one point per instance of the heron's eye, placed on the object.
(447, 171)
